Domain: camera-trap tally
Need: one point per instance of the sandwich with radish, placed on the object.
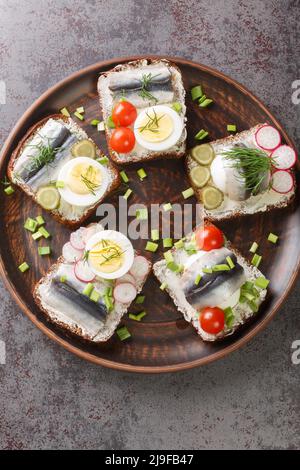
(246, 173)
(91, 286)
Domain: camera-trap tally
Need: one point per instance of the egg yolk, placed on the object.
(156, 127)
(84, 179)
(106, 256)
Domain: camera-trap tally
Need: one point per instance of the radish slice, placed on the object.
(89, 232)
(267, 137)
(125, 293)
(284, 157)
(70, 253)
(76, 239)
(126, 278)
(282, 181)
(140, 267)
(83, 272)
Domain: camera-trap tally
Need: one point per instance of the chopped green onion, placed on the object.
(88, 289)
(95, 122)
(179, 244)
(31, 225)
(188, 193)
(167, 242)
(196, 92)
(167, 207)
(138, 316)
(142, 214)
(80, 110)
(198, 279)
(163, 286)
(203, 98)
(272, 238)
(108, 302)
(79, 116)
(108, 291)
(253, 247)
(101, 126)
(230, 262)
(40, 220)
(9, 190)
(253, 306)
(231, 127)
(201, 134)
(177, 107)
(256, 260)
(110, 123)
(60, 184)
(102, 160)
(190, 248)
(127, 194)
(229, 317)
(168, 256)
(220, 267)
(176, 268)
(150, 246)
(140, 299)
(249, 296)
(37, 235)
(23, 267)
(262, 282)
(206, 103)
(95, 296)
(155, 234)
(123, 333)
(44, 250)
(65, 112)
(207, 270)
(124, 176)
(63, 278)
(44, 232)
(141, 174)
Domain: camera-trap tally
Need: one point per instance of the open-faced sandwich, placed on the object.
(61, 168)
(214, 287)
(91, 286)
(242, 174)
(143, 107)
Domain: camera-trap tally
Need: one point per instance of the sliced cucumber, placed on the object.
(212, 197)
(84, 148)
(203, 154)
(48, 197)
(200, 176)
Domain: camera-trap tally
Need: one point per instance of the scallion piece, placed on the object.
(95, 122)
(9, 190)
(167, 207)
(154, 235)
(142, 214)
(205, 103)
(220, 267)
(108, 302)
(65, 112)
(80, 110)
(253, 247)
(167, 242)
(88, 289)
(103, 160)
(188, 193)
(123, 333)
(272, 238)
(44, 250)
(256, 260)
(110, 123)
(63, 278)
(127, 194)
(168, 256)
(198, 279)
(176, 268)
(138, 316)
(196, 92)
(177, 107)
(23, 267)
(37, 235)
(40, 220)
(140, 299)
(262, 282)
(163, 286)
(203, 98)
(44, 232)
(124, 176)
(101, 126)
(141, 174)
(79, 116)
(231, 127)
(190, 248)
(179, 244)
(150, 246)
(229, 317)
(60, 184)
(31, 225)
(201, 134)
(207, 270)
(230, 262)
(95, 296)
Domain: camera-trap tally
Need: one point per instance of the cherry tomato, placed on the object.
(212, 320)
(124, 114)
(122, 140)
(209, 238)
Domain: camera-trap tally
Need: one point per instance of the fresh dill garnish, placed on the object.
(86, 255)
(152, 123)
(146, 82)
(86, 179)
(251, 164)
(115, 254)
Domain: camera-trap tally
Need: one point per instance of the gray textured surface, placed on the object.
(50, 399)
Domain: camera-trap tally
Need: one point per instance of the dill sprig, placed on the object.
(46, 155)
(251, 164)
(152, 123)
(86, 255)
(146, 82)
(86, 179)
(115, 254)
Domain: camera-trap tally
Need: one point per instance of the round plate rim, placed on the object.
(63, 342)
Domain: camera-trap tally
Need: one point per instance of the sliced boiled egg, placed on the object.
(83, 181)
(158, 128)
(218, 173)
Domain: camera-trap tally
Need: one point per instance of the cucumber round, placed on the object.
(84, 148)
(203, 154)
(48, 197)
(212, 197)
(200, 176)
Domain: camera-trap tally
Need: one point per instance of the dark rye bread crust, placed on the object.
(151, 156)
(15, 154)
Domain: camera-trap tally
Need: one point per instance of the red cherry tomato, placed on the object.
(122, 140)
(124, 114)
(212, 320)
(209, 238)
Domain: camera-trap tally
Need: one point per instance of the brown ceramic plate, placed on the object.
(163, 341)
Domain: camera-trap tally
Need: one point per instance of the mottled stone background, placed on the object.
(51, 399)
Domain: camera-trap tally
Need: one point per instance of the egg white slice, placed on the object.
(82, 200)
(169, 141)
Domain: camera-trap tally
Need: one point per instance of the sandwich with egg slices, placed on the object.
(91, 286)
(211, 284)
(242, 174)
(143, 107)
(61, 168)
